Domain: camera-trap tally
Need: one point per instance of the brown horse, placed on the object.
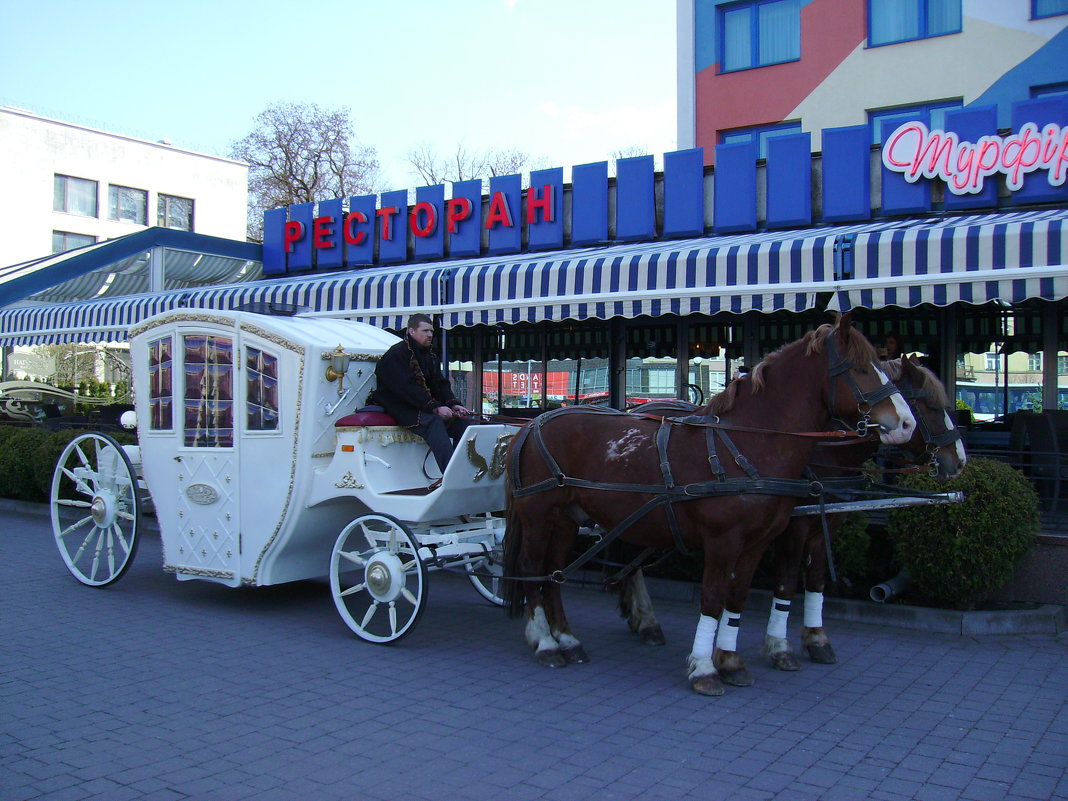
(803, 545)
(661, 484)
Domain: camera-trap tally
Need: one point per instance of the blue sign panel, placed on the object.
(502, 217)
(427, 217)
(735, 205)
(274, 254)
(635, 199)
(327, 241)
(789, 175)
(684, 192)
(545, 209)
(300, 255)
(463, 218)
(589, 204)
(359, 231)
(846, 174)
(393, 227)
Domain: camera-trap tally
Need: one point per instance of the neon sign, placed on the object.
(917, 152)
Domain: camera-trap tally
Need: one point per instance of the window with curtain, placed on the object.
(128, 205)
(760, 135)
(62, 241)
(894, 21)
(1048, 8)
(74, 195)
(758, 33)
(160, 384)
(175, 212)
(209, 392)
(933, 115)
(262, 384)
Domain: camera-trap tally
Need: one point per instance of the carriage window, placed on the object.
(160, 380)
(262, 399)
(209, 392)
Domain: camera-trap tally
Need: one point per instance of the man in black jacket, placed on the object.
(414, 392)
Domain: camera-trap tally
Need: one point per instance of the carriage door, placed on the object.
(207, 488)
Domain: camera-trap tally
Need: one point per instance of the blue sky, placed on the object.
(569, 81)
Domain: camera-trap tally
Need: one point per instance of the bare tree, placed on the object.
(299, 153)
(630, 152)
(464, 164)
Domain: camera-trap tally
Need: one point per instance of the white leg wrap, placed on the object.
(813, 610)
(729, 623)
(780, 614)
(537, 631)
(704, 640)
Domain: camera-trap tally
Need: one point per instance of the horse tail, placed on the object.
(514, 596)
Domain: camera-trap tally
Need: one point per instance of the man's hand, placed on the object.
(445, 412)
(461, 410)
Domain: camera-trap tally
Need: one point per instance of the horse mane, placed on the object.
(895, 369)
(858, 350)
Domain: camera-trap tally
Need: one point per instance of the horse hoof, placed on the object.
(575, 655)
(550, 658)
(707, 685)
(822, 654)
(737, 678)
(653, 635)
(785, 660)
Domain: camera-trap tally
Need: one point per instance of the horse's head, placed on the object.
(936, 435)
(859, 391)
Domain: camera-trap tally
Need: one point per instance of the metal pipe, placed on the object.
(881, 593)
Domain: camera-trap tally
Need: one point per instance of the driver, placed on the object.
(414, 391)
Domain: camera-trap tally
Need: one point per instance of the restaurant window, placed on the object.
(993, 361)
(883, 121)
(1048, 8)
(209, 392)
(62, 241)
(74, 195)
(759, 33)
(1034, 362)
(175, 212)
(759, 135)
(894, 21)
(261, 400)
(128, 205)
(161, 384)
(1062, 365)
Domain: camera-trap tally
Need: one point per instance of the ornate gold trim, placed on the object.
(177, 317)
(270, 336)
(202, 572)
(348, 481)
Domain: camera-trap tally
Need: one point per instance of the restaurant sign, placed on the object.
(917, 152)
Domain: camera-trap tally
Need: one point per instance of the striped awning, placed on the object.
(771, 271)
(382, 298)
(975, 259)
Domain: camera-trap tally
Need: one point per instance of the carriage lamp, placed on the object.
(339, 365)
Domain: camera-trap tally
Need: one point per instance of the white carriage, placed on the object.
(260, 474)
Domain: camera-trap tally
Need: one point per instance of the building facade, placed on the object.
(752, 70)
(67, 186)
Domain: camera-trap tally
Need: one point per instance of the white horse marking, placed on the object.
(907, 422)
(959, 444)
(704, 639)
(537, 631)
(631, 440)
(813, 610)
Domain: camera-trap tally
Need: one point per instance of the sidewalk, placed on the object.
(158, 689)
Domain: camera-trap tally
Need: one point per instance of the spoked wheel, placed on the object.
(378, 581)
(485, 575)
(96, 514)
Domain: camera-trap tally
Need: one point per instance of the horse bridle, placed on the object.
(933, 441)
(837, 366)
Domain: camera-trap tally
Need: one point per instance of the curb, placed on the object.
(1045, 619)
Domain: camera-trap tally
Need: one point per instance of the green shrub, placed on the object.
(28, 458)
(958, 554)
(850, 546)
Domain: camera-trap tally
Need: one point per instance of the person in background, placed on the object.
(892, 346)
(740, 371)
(414, 391)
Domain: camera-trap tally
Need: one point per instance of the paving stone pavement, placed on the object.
(163, 690)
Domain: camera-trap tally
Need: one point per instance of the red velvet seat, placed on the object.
(366, 419)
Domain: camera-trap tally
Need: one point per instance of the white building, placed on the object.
(67, 185)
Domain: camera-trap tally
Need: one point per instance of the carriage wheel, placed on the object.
(488, 586)
(378, 581)
(96, 513)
